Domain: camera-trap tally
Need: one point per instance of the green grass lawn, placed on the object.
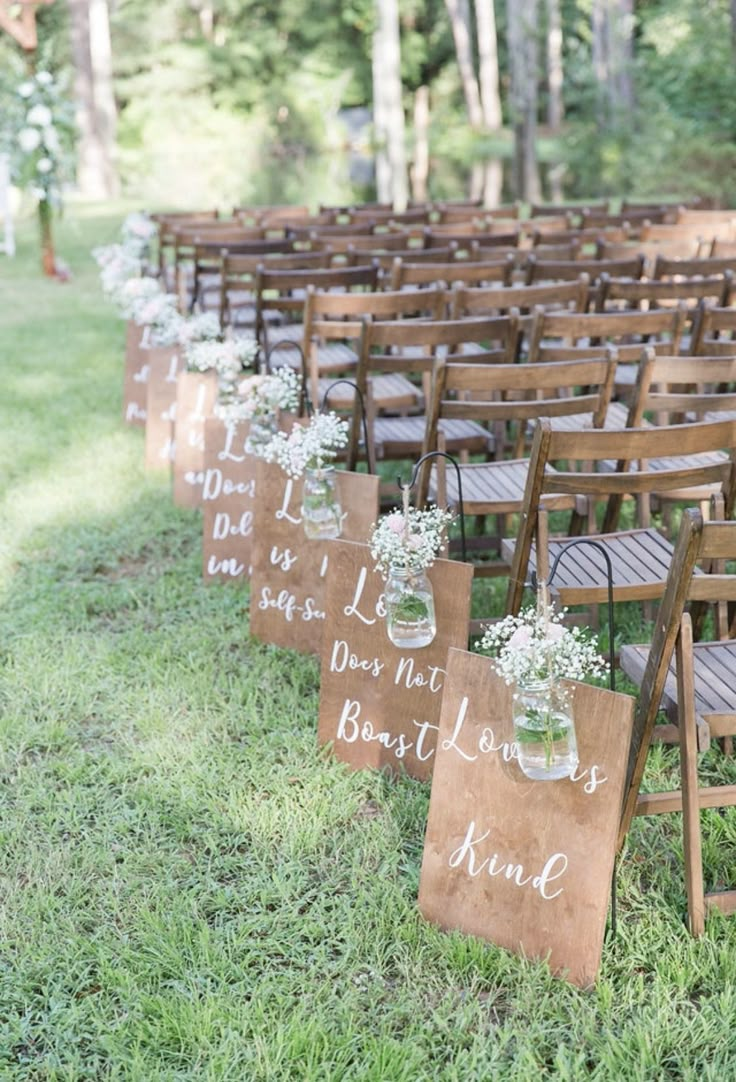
(189, 888)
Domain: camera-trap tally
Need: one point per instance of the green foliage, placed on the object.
(241, 100)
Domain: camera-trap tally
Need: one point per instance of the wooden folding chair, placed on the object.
(409, 273)
(280, 293)
(512, 396)
(687, 459)
(695, 683)
(550, 270)
(333, 323)
(408, 347)
(714, 330)
(555, 336)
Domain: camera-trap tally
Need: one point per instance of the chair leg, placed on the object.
(692, 844)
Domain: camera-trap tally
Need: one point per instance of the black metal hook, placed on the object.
(413, 481)
(364, 419)
(609, 579)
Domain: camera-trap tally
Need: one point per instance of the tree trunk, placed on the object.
(48, 257)
(555, 109)
(380, 135)
(490, 95)
(386, 44)
(90, 41)
(420, 167)
(522, 45)
(460, 21)
(105, 108)
(613, 54)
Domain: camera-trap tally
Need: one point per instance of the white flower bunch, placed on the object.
(226, 358)
(166, 330)
(133, 294)
(409, 539)
(137, 231)
(204, 327)
(117, 267)
(536, 646)
(42, 123)
(231, 410)
(310, 446)
(263, 395)
(157, 309)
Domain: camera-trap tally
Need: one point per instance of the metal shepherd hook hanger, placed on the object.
(413, 481)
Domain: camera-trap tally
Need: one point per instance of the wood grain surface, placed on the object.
(135, 376)
(228, 502)
(380, 705)
(164, 365)
(288, 583)
(525, 864)
(196, 394)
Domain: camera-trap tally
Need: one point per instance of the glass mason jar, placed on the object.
(321, 510)
(409, 599)
(262, 430)
(544, 730)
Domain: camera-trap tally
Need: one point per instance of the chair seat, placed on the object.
(616, 418)
(702, 492)
(640, 561)
(492, 488)
(285, 332)
(390, 392)
(336, 357)
(714, 665)
(403, 437)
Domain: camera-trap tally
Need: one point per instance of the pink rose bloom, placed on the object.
(395, 522)
(415, 541)
(555, 632)
(520, 638)
(245, 386)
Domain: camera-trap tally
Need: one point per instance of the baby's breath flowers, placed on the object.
(202, 327)
(309, 447)
(536, 646)
(227, 358)
(263, 396)
(409, 540)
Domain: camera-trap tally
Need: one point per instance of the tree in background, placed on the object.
(93, 85)
(388, 108)
(521, 18)
(613, 55)
(490, 95)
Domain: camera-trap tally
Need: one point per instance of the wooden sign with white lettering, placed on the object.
(228, 501)
(287, 605)
(525, 864)
(135, 376)
(164, 365)
(196, 394)
(380, 705)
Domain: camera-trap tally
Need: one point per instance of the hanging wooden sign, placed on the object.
(380, 705)
(525, 864)
(287, 604)
(164, 365)
(196, 394)
(135, 376)
(228, 501)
